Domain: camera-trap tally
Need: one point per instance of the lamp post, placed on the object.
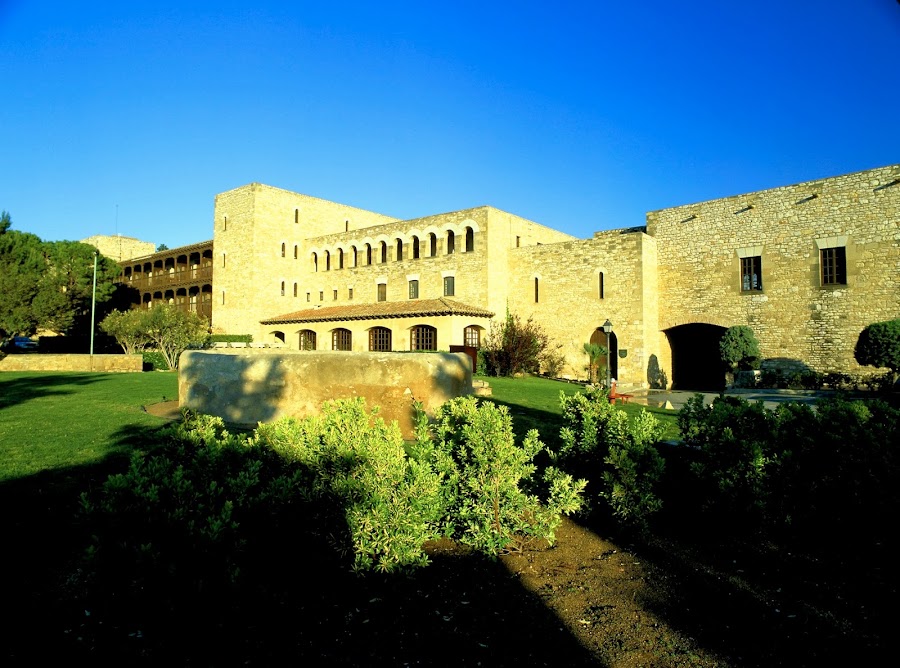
(93, 309)
(607, 328)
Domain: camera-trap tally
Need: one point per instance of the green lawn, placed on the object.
(53, 421)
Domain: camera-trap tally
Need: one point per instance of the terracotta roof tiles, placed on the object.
(369, 311)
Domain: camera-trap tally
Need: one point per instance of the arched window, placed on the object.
(282, 288)
(307, 339)
(451, 242)
(368, 254)
(340, 258)
(383, 252)
(295, 289)
(282, 250)
(415, 248)
(472, 336)
(315, 262)
(327, 260)
(341, 339)
(354, 258)
(432, 239)
(399, 249)
(278, 337)
(380, 339)
(470, 239)
(423, 337)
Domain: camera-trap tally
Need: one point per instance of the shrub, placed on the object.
(487, 478)
(599, 441)
(154, 361)
(879, 346)
(739, 349)
(230, 338)
(515, 347)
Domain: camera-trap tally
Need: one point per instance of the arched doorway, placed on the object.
(696, 364)
(612, 344)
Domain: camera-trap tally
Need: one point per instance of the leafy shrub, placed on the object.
(154, 361)
(487, 478)
(599, 441)
(230, 338)
(739, 348)
(879, 345)
(514, 347)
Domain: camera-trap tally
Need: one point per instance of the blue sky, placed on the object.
(583, 116)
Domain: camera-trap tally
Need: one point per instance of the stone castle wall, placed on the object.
(794, 316)
(67, 362)
(120, 248)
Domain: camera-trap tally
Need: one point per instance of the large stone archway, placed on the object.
(696, 364)
(599, 338)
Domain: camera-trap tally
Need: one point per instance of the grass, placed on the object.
(55, 421)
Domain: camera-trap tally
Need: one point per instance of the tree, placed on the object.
(5, 221)
(21, 266)
(595, 353)
(515, 347)
(128, 329)
(173, 331)
(739, 348)
(879, 345)
(161, 248)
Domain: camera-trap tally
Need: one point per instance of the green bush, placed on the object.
(489, 482)
(154, 361)
(879, 345)
(739, 349)
(230, 338)
(513, 346)
(600, 442)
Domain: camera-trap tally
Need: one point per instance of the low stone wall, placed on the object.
(248, 386)
(99, 363)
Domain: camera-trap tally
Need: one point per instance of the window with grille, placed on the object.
(834, 266)
(380, 339)
(423, 337)
(307, 339)
(472, 336)
(382, 292)
(751, 274)
(341, 339)
(449, 286)
(414, 289)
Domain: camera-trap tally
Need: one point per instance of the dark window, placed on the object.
(423, 337)
(472, 336)
(380, 339)
(537, 292)
(282, 288)
(414, 289)
(834, 266)
(315, 262)
(382, 292)
(340, 258)
(282, 250)
(355, 260)
(335, 296)
(307, 339)
(296, 216)
(321, 295)
(451, 242)
(600, 286)
(383, 252)
(295, 289)
(432, 240)
(350, 293)
(327, 260)
(449, 286)
(751, 274)
(308, 296)
(295, 252)
(470, 239)
(368, 254)
(399, 249)
(341, 339)
(225, 224)
(415, 248)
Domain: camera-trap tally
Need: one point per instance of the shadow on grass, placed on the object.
(17, 390)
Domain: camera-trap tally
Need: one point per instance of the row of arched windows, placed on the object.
(416, 247)
(421, 337)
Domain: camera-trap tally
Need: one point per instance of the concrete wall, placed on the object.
(100, 363)
(245, 387)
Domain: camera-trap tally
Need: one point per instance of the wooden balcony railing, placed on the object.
(141, 281)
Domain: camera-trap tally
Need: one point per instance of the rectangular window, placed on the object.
(537, 292)
(308, 297)
(751, 274)
(449, 286)
(414, 289)
(382, 292)
(601, 285)
(295, 289)
(335, 296)
(350, 293)
(321, 295)
(341, 339)
(834, 266)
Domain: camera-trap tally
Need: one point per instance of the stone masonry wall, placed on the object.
(82, 363)
(794, 316)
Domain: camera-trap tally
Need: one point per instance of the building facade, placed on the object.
(806, 266)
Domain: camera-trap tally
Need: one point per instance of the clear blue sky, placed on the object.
(131, 116)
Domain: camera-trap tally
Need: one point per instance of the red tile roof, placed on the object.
(404, 309)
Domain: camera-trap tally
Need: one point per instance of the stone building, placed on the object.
(806, 266)
(118, 247)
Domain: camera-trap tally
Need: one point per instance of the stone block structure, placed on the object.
(248, 386)
(807, 266)
(71, 362)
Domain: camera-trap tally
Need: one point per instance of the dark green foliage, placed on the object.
(154, 361)
(879, 345)
(739, 348)
(515, 347)
(230, 338)
(806, 469)
(617, 454)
